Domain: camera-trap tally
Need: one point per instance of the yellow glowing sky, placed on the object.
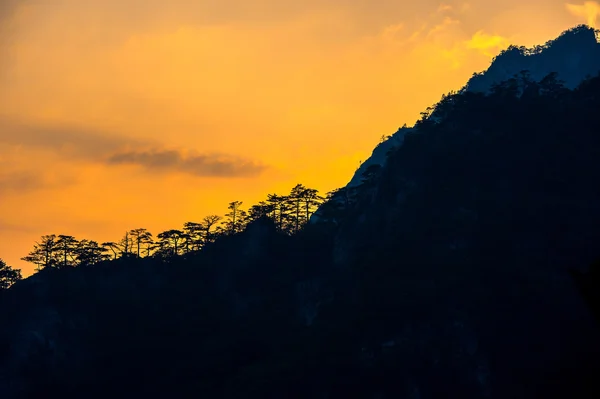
(118, 114)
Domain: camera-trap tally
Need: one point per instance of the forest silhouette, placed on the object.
(458, 268)
(288, 212)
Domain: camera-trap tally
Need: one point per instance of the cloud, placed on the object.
(443, 26)
(201, 165)
(589, 10)
(20, 181)
(459, 8)
(85, 145)
(444, 37)
(444, 7)
(25, 181)
(392, 32)
(8, 8)
(16, 228)
(75, 143)
(487, 44)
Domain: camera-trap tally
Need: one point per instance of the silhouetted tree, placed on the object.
(170, 241)
(89, 253)
(425, 120)
(8, 275)
(139, 237)
(279, 206)
(295, 200)
(150, 246)
(219, 231)
(445, 106)
(111, 246)
(193, 236)
(243, 220)
(261, 210)
(384, 138)
(126, 244)
(208, 222)
(44, 253)
(67, 246)
(235, 217)
(312, 200)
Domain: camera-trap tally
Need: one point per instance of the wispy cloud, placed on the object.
(83, 145)
(202, 165)
(444, 7)
(589, 10)
(444, 25)
(26, 181)
(74, 142)
(8, 8)
(392, 32)
(457, 8)
(486, 43)
(16, 228)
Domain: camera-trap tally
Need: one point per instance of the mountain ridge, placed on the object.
(572, 55)
(582, 42)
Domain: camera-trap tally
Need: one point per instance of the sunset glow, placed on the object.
(122, 114)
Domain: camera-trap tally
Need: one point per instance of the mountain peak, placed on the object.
(581, 35)
(573, 55)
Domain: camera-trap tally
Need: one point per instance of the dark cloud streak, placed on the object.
(15, 228)
(25, 181)
(8, 8)
(202, 165)
(72, 142)
(84, 145)
(20, 182)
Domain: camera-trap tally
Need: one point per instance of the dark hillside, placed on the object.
(459, 268)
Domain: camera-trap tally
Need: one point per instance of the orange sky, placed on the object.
(119, 114)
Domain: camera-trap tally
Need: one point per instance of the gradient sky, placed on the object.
(119, 114)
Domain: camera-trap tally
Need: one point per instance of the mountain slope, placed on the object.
(482, 214)
(379, 155)
(573, 56)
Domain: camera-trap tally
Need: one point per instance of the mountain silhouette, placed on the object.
(574, 55)
(456, 263)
